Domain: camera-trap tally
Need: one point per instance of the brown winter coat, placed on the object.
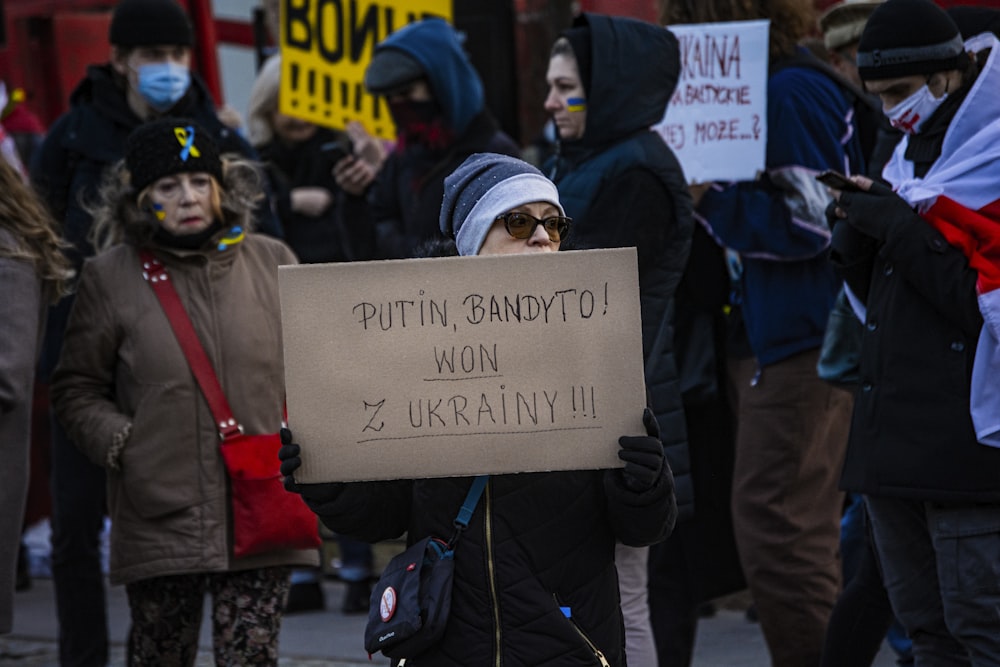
(124, 393)
(22, 315)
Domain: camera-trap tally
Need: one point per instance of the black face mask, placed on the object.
(421, 123)
(409, 115)
(186, 241)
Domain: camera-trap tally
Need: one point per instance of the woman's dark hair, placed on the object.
(791, 20)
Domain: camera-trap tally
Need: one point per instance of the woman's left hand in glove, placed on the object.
(643, 456)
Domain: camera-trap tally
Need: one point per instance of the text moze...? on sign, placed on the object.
(716, 120)
(462, 365)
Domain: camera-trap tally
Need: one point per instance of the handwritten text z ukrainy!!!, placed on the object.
(502, 410)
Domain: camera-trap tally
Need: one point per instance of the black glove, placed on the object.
(832, 218)
(643, 456)
(313, 494)
(290, 461)
(877, 212)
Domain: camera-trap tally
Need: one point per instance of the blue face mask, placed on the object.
(162, 84)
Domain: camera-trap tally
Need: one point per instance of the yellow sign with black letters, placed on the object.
(326, 46)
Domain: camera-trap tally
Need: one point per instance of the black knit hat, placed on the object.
(170, 146)
(150, 23)
(907, 37)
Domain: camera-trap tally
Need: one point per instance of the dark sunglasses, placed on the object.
(522, 225)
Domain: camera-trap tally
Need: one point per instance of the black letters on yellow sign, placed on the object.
(326, 45)
(336, 29)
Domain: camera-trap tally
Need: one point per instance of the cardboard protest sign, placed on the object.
(326, 46)
(462, 365)
(716, 121)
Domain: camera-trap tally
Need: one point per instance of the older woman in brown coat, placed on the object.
(125, 393)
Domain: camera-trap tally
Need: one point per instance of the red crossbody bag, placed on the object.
(266, 517)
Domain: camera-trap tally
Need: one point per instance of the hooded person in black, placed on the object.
(610, 79)
(148, 77)
(437, 103)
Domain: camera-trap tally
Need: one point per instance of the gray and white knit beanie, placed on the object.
(485, 186)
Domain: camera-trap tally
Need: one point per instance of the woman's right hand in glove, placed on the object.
(313, 494)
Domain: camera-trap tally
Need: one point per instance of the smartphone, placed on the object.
(837, 181)
(337, 150)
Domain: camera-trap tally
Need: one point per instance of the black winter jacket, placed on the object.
(536, 542)
(328, 237)
(911, 433)
(405, 200)
(623, 187)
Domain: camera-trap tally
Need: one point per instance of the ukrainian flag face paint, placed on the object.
(567, 99)
(158, 211)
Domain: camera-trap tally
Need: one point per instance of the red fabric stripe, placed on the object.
(975, 233)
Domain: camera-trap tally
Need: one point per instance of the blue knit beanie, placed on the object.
(485, 186)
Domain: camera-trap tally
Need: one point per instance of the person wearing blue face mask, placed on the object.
(163, 84)
(148, 77)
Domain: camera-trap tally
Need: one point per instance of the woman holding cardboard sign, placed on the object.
(179, 272)
(534, 574)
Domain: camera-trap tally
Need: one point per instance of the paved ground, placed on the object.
(331, 639)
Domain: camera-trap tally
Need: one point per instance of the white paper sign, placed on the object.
(716, 122)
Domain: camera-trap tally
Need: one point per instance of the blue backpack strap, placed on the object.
(468, 507)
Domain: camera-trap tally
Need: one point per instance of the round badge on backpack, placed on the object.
(387, 606)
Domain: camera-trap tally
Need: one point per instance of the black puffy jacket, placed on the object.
(536, 542)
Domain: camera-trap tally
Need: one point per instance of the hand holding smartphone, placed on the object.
(337, 150)
(837, 181)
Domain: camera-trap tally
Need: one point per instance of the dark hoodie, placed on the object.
(623, 187)
(406, 198)
(67, 168)
(635, 67)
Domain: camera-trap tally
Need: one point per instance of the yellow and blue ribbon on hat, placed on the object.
(185, 137)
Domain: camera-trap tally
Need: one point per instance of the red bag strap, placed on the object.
(156, 275)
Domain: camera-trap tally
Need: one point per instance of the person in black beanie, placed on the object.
(175, 209)
(148, 77)
(918, 258)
